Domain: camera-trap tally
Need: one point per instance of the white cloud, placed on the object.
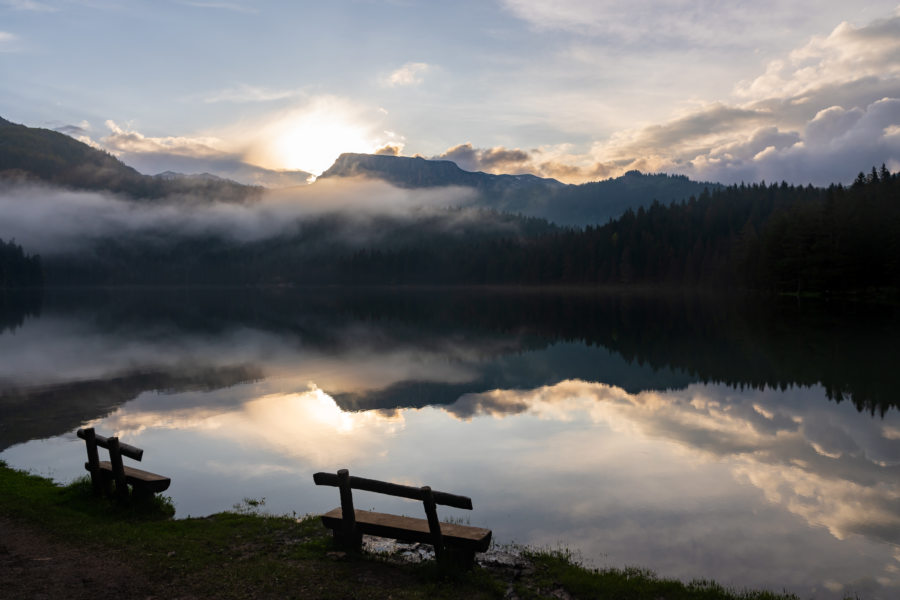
(30, 5)
(673, 23)
(229, 6)
(847, 54)
(409, 74)
(247, 93)
(8, 41)
(122, 140)
(819, 114)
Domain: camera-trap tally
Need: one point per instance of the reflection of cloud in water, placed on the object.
(823, 462)
(306, 425)
(54, 350)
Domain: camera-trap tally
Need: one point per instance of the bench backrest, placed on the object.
(116, 451)
(125, 449)
(425, 494)
(394, 489)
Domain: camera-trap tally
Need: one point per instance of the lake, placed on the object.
(749, 441)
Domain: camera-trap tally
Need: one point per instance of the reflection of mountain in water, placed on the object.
(46, 411)
(523, 370)
(517, 338)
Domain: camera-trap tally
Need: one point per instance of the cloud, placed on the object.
(846, 55)
(281, 148)
(8, 41)
(229, 6)
(185, 154)
(246, 93)
(389, 150)
(409, 74)
(489, 160)
(121, 140)
(819, 114)
(554, 162)
(50, 220)
(668, 24)
(81, 132)
(30, 5)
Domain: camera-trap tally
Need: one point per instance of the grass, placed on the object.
(249, 554)
(558, 568)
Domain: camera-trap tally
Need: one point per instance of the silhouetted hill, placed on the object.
(565, 204)
(34, 154)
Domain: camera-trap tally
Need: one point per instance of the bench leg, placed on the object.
(351, 542)
(457, 557)
(140, 494)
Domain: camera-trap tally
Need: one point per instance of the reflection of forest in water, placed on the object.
(635, 341)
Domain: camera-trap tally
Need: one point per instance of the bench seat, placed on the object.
(150, 482)
(409, 529)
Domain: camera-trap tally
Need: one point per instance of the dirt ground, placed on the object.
(35, 566)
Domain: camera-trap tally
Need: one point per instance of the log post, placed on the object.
(349, 537)
(118, 469)
(93, 463)
(434, 526)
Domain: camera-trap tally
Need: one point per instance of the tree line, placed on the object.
(19, 269)
(773, 238)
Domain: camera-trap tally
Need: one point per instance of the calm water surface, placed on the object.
(752, 443)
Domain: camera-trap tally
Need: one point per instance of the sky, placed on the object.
(806, 91)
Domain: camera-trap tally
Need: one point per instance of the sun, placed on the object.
(312, 139)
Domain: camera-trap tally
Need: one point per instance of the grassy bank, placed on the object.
(241, 554)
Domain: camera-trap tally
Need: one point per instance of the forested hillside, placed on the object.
(771, 238)
(35, 154)
(777, 237)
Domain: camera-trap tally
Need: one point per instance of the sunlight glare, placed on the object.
(311, 140)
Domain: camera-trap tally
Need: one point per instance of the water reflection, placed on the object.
(687, 435)
(833, 471)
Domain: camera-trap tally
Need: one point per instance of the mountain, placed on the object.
(34, 154)
(415, 172)
(529, 195)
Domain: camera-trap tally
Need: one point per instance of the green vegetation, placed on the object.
(246, 554)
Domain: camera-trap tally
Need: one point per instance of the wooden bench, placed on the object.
(143, 483)
(457, 543)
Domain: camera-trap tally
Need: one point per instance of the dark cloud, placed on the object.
(490, 160)
(501, 157)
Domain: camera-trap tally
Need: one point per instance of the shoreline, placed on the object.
(64, 542)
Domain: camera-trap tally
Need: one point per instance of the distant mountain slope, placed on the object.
(565, 204)
(30, 153)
